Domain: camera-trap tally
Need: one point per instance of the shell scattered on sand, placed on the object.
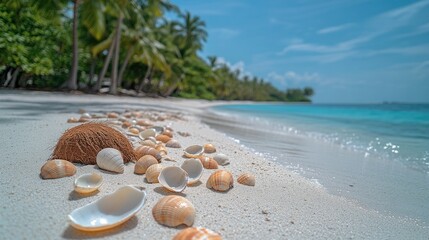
(246, 179)
(173, 211)
(173, 144)
(221, 159)
(153, 172)
(220, 180)
(144, 163)
(209, 148)
(173, 178)
(88, 183)
(197, 233)
(110, 159)
(208, 162)
(57, 168)
(193, 151)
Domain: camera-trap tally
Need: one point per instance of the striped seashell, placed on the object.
(57, 168)
(246, 179)
(173, 144)
(152, 173)
(163, 138)
(173, 211)
(112, 115)
(162, 150)
(72, 120)
(167, 133)
(148, 143)
(197, 233)
(220, 180)
(209, 148)
(208, 163)
(110, 159)
(144, 163)
(145, 150)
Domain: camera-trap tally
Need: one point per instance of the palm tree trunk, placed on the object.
(72, 82)
(105, 66)
(124, 65)
(171, 89)
(149, 70)
(14, 78)
(114, 77)
(92, 70)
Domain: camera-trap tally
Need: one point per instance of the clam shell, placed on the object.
(133, 131)
(221, 159)
(109, 211)
(112, 115)
(168, 133)
(197, 233)
(194, 168)
(220, 180)
(145, 150)
(162, 150)
(144, 163)
(147, 133)
(110, 159)
(57, 168)
(173, 144)
(153, 172)
(208, 162)
(88, 182)
(209, 148)
(85, 115)
(148, 143)
(173, 178)
(194, 151)
(143, 122)
(72, 120)
(163, 138)
(246, 179)
(173, 211)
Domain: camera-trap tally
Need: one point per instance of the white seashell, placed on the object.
(194, 151)
(85, 115)
(147, 133)
(221, 159)
(194, 168)
(109, 211)
(88, 182)
(110, 159)
(173, 144)
(173, 178)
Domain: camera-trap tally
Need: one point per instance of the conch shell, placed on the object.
(220, 180)
(153, 172)
(88, 182)
(246, 179)
(197, 233)
(57, 168)
(144, 163)
(173, 211)
(110, 159)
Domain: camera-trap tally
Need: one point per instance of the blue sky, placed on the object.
(354, 51)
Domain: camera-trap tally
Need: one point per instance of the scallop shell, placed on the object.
(144, 163)
(88, 182)
(162, 138)
(221, 159)
(110, 159)
(153, 172)
(147, 133)
(57, 168)
(220, 180)
(173, 211)
(112, 115)
(173, 178)
(173, 144)
(246, 179)
(109, 211)
(194, 168)
(145, 150)
(197, 233)
(208, 162)
(148, 143)
(209, 148)
(168, 133)
(72, 120)
(194, 151)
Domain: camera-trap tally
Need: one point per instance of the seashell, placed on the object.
(122, 119)
(158, 129)
(246, 179)
(209, 148)
(151, 139)
(173, 178)
(208, 162)
(145, 150)
(162, 138)
(57, 168)
(98, 115)
(147, 133)
(194, 168)
(88, 182)
(162, 150)
(167, 133)
(173, 211)
(173, 144)
(127, 114)
(184, 134)
(148, 143)
(220, 180)
(82, 119)
(144, 163)
(126, 124)
(143, 122)
(110, 159)
(153, 172)
(85, 115)
(109, 211)
(133, 131)
(112, 115)
(197, 233)
(194, 151)
(221, 159)
(72, 120)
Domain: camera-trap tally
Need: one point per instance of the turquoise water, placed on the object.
(398, 132)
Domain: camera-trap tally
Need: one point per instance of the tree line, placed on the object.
(119, 47)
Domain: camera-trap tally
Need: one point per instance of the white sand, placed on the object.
(282, 205)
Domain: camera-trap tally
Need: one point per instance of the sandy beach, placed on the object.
(282, 204)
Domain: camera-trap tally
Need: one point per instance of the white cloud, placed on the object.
(333, 29)
(224, 32)
(291, 78)
(234, 67)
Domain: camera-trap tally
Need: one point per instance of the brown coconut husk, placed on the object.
(82, 143)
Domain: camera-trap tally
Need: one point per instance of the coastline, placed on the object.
(281, 205)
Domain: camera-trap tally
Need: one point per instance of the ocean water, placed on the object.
(375, 154)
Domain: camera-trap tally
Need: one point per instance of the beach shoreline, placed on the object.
(281, 205)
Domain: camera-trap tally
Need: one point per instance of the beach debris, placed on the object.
(246, 179)
(173, 144)
(184, 134)
(146, 150)
(220, 180)
(194, 169)
(82, 143)
(209, 148)
(110, 210)
(163, 138)
(144, 163)
(208, 162)
(110, 159)
(221, 159)
(193, 151)
(152, 173)
(173, 211)
(57, 168)
(147, 133)
(197, 233)
(72, 120)
(173, 178)
(88, 183)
